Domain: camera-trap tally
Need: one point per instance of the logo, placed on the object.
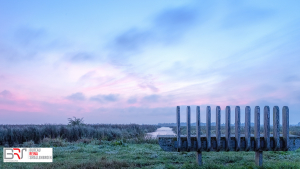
(27, 154)
(19, 154)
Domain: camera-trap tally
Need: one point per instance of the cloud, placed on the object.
(6, 94)
(138, 115)
(292, 78)
(167, 26)
(176, 20)
(151, 98)
(241, 15)
(81, 56)
(133, 40)
(147, 82)
(88, 75)
(132, 100)
(76, 97)
(29, 44)
(105, 98)
(149, 86)
(28, 36)
(2, 77)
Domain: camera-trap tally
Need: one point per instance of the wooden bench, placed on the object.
(239, 142)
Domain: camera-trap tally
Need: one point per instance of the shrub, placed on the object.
(75, 121)
(55, 142)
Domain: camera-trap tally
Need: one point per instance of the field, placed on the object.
(130, 149)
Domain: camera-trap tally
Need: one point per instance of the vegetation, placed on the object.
(110, 146)
(15, 135)
(75, 121)
(92, 154)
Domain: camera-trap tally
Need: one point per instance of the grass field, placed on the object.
(90, 154)
(124, 146)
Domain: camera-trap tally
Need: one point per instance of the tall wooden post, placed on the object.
(267, 128)
(208, 128)
(227, 128)
(237, 128)
(198, 133)
(276, 128)
(218, 127)
(247, 127)
(285, 127)
(178, 128)
(188, 128)
(258, 151)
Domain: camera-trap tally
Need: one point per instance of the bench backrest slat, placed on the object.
(247, 127)
(208, 128)
(227, 128)
(237, 127)
(276, 127)
(257, 128)
(267, 127)
(218, 127)
(198, 129)
(188, 128)
(178, 128)
(285, 127)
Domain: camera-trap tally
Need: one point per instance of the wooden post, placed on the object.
(258, 152)
(247, 127)
(198, 132)
(178, 128)
(267, 128)
(237, 128)
(208, 128)
(259, 158)
(257, 128)
(198, 129)
(276, 128)
(227, 128)
(218, 127)
(188, 128)
(199, 157)
(285, 127)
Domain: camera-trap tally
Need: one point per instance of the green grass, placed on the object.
(90, 154)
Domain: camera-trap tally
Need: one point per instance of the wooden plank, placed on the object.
(247, 127)
(227, 128)
(257, 128)
(237, 127)
(267, 127)
(276, 127)
(199, 158)
(208, 128)
(178, 128)
(169, 143)
(218, 127)
(188, 128)
(259, 158)
(285, 127)
(198, 129)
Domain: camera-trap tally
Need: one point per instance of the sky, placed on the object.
(132, 61)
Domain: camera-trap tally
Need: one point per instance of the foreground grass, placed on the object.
(116, 154)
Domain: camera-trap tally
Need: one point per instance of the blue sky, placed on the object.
(135, 61)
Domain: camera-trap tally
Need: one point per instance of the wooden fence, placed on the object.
(239, 142)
